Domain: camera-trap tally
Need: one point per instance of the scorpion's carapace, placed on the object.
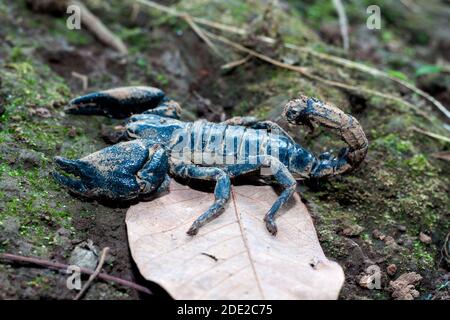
(166, 146)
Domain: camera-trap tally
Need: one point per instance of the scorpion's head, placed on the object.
(121, 172)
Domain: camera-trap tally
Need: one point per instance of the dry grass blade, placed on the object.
(96, 26)
(237, 63)
(94, 275)
(431, 134)
(343, 23)
(341, 61)
(202, 35)
(304, 72)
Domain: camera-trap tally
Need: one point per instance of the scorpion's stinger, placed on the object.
(117, 103)
(311, 110)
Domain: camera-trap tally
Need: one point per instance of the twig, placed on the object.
(96, 26)
(202, 35)
(343, 23)
(376, 73)
(236, 63)
(84, 79)
(304, 72)
(410, 5)
(254, 53)
(323, 56)
(176, 13)
(62, 266)
(135, 9)
(431, 134)
(94, 275)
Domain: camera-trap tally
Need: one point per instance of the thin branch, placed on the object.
(202, 35)
(84, 79)
(254, 53)
(341, 61)
(234, 64)
(343, 23)
(305, 72)
(62, 266)
(94, 275)
(96, 26)
(431, 134)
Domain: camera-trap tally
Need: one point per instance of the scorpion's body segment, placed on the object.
(166, 146)
(221, 145)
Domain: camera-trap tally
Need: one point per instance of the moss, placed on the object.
(41, 282)
(423, 256)
(136, 39)
(25, 86)
(393, 143)
(74, 37)
(418, 163)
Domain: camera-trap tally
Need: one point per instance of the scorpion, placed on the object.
(157, 145)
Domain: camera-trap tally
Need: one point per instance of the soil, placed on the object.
(371, 217)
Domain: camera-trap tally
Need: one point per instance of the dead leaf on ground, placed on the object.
(444, 155)
(234, 256)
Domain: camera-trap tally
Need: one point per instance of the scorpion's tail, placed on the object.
(307, 111)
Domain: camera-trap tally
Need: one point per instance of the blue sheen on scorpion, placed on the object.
(158, 145)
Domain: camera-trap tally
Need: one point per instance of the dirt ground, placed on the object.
(393, 211)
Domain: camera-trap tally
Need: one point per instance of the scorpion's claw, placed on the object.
(73, 185)
(120, 172)
(117, 103)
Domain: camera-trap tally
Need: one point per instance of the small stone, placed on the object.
(424, 238)
(84, 256)
(388, 240)
(352, 231)
(370, 278)
(72, 132)
(391, 269)
(376, 234)
(41, 112)
(404, 287)
(401, 228)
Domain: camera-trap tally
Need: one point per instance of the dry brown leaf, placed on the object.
(444, 155)
(233, 256)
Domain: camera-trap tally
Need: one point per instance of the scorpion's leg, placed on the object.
(167, 109)
(281, 174)
(124, 171)
(287, 181)
(221, 191)
(254, 123)
(118, 102)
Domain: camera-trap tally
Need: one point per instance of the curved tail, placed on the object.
(307, 111)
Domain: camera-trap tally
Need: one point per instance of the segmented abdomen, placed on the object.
(214, 144)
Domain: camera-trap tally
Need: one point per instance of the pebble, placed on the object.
(391, 269)
(84, 256)
(424, 238)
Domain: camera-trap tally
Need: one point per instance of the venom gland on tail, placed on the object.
(160, 145)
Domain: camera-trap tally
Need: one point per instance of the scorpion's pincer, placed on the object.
(117, 103)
